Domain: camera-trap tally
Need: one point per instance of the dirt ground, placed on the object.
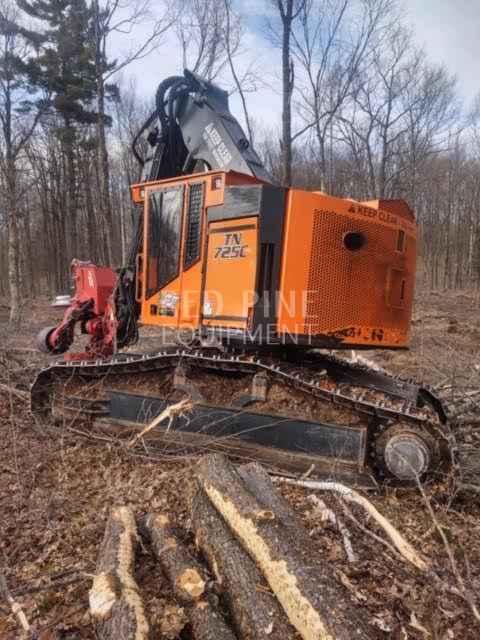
(56, 492)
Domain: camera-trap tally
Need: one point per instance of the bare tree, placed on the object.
(288, 12)
(19, 116)
(331, 43)
(112, 17)
(392, 103)
(247, 81)
(432, 115)
(130, 114)
(209, 34)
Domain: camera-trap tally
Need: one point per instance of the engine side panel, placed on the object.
(335, 291)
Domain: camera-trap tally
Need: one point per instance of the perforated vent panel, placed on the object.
(194, 224)
(356, 287)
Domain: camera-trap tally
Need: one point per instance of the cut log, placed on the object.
(184, 572)
(315, 603)
(187, 578)
(254, 610)
(116, 605)
(208, 624)
(258, 482)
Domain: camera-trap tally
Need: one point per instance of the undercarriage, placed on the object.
(315, 413)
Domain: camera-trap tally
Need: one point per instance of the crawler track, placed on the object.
(379, 400)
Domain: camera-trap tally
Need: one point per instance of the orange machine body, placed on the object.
(226, 254)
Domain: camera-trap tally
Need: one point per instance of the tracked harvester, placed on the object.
(253, 286)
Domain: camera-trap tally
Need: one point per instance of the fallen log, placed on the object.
(254, 610)
(208, 624)
(315, 603)
(184, 572)
(258, 482)
(115, 602)
(187, 578)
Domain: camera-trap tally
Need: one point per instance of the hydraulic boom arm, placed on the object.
(193, 130)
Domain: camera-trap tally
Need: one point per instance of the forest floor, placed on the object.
(56, 493)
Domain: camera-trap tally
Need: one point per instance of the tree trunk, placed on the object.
(116, 605)
(102, 152)
(287, 86)
(208, 624)
(13, 272)
(184, 572)
(104, 175)
(30, 271)
(258, 482)
(255, 612)
(316, 605)
(92, 236)
(14, 277)
(187, 579)
(71, 186)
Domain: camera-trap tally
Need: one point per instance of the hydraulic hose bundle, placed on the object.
(164, 135)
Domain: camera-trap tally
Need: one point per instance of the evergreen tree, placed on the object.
(67, 57)
(69, 73)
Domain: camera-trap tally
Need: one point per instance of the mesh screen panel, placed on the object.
(360, 287)
(194, 224)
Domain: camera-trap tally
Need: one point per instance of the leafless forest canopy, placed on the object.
(365, 114)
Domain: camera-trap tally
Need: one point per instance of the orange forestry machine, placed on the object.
(259, 283)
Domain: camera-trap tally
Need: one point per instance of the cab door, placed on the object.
(162, 269)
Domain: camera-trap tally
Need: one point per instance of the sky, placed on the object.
(264, 105)
(448, 30)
